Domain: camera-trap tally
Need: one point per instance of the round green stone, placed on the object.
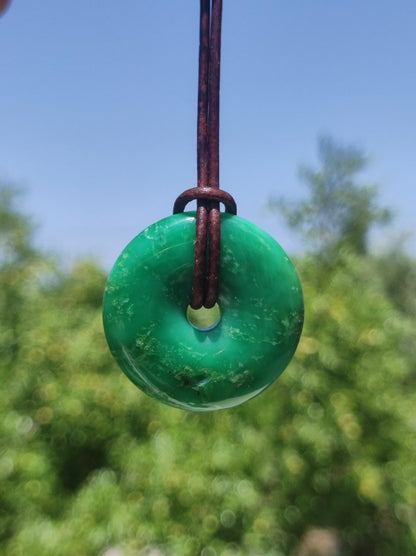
(145, 315)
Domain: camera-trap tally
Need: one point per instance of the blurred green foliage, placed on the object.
(339, 211)
(323, 462)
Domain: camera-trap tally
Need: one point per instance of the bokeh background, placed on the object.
(98, 122)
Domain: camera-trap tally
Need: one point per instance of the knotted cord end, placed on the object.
(208, 238)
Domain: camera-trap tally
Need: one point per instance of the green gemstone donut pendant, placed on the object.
(228, 355)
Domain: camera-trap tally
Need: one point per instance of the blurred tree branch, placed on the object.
(339, 211)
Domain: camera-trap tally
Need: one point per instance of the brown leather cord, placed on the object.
(205, 194)
(208, 222)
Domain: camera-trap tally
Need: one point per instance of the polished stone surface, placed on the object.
(146, 301)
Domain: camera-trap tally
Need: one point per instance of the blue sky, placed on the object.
(98, 108)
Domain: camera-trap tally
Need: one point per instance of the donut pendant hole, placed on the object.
(204, 319)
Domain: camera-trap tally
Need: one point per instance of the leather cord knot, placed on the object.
(208, 239)
(205, 194)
